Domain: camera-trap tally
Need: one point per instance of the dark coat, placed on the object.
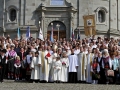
(102, 79)
(3, 67)
(2, 61)
(20, 55)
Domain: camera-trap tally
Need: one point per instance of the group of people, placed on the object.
(90, 60)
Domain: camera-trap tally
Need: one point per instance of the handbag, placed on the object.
(110, 73)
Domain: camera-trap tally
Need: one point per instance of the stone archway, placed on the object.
(47, 22)
(61, 33)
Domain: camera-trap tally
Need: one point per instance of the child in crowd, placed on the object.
(17, 68)
(35, 74)
(95, 71)
(64, 69)
(57, 65)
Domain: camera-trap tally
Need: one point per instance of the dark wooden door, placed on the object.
(62, 34)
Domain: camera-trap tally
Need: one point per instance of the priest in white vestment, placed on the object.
(53, 57)
(64, 69)
(82, 66)
(45, 61)
(50, 63)
(35, 74)
(90, 57)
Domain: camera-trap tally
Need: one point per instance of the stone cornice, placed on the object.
(57, 9)
(114, 31)
(23, 28)
(43, 7)
(33, 28)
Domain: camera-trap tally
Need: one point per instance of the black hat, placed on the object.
(3, 51)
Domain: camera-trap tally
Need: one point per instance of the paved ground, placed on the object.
(10, 85)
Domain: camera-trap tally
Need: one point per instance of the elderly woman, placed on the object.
(106, 64)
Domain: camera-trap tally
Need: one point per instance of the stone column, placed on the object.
(22, 10)
(17, 20)
(42, 23)
(71, 23)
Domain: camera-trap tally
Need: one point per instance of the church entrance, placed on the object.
(59, 30)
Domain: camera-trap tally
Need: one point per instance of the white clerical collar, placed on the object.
(2, 56)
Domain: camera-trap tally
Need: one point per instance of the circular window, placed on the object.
(101, 16)
(12, 14)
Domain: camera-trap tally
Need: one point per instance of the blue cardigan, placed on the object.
(114, 63)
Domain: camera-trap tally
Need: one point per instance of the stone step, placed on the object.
(8, 81)
(13, 81)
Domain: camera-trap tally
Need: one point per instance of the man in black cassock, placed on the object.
(73, 65)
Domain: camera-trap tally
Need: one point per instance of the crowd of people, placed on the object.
(90, 60)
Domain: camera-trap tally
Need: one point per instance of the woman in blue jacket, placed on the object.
(114, 65)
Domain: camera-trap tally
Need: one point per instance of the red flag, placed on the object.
(48, 54)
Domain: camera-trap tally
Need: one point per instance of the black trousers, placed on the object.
(23, 72)
(102, 79)
(115, 76)
(1, 74)
(72, 77)
(11, 66)
(4, 71)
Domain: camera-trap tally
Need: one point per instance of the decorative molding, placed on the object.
(101, 8)
(67, 2)
(8, 15)
(96, 12)
(12, 7)
(32, 28)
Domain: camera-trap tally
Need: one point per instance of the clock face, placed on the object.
(57, 2)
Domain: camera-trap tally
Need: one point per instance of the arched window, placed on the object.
(12, 14)
(101, 16)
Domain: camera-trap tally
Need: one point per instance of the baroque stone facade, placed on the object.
(23, 13)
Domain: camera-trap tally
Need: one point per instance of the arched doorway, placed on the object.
(61, 33)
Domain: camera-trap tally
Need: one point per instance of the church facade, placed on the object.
(61, 16)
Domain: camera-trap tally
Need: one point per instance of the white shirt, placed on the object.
(77, 51)
(94, 46)
(73, 62)
(99, 58)
(2, 56)
(33, 50)
(28, 58)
